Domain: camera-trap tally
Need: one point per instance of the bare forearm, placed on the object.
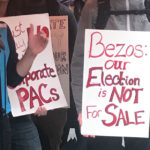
(36, 44)
(24, 65)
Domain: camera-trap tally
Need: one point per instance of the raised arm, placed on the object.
(36, 44)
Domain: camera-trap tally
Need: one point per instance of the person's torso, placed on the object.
(133, 22)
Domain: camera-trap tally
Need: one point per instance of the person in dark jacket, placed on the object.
(50, 127)
(12, 72)
(132, 17)
(57, 119)
(75, 6)
(15, 71)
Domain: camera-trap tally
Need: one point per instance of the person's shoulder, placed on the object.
(64, 10)
(89, 10)
(90, 5)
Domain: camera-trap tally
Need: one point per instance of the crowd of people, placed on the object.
(33, 132)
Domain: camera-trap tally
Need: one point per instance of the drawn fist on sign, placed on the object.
(36, 42)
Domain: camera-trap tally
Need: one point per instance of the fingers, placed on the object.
(80, 119)
(41, 111)
(43, 34)
(36, 42)
(43, 37)
(43, 40)
(30, 30)
(80, 123)
(92, 136)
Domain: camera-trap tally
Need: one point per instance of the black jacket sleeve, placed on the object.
(13, 78)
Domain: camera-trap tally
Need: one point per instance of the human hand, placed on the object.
(80, 123)
(41, 111)
(36, 42)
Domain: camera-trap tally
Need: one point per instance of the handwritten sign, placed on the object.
(116, 83)
(41, 87)
(59, 32)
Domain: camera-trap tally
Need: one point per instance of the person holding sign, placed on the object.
(51, 126)
(126, 15)
(12, 72)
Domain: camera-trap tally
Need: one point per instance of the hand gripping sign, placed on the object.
(41, 87)
(116, 83)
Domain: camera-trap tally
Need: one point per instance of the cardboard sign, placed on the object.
(41, 87)
(116, 83)
(59, 32)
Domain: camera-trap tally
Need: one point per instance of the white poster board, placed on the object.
(59, 32)
(116, 83)
(41, 87)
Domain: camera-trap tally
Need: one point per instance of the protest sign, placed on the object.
(59, 32)
(116, 83)
(41, 87)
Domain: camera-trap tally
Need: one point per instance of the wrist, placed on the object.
(29, 53)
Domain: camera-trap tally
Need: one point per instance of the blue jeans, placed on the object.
(24, 134)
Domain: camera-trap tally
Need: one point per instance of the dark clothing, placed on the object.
(16, 133)
(5, 133)
(8, 61)
(50, 127)
(24, 133)
(137, 144)
(17, 7)
(13, 79)
(88, 20)
(104, 143)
